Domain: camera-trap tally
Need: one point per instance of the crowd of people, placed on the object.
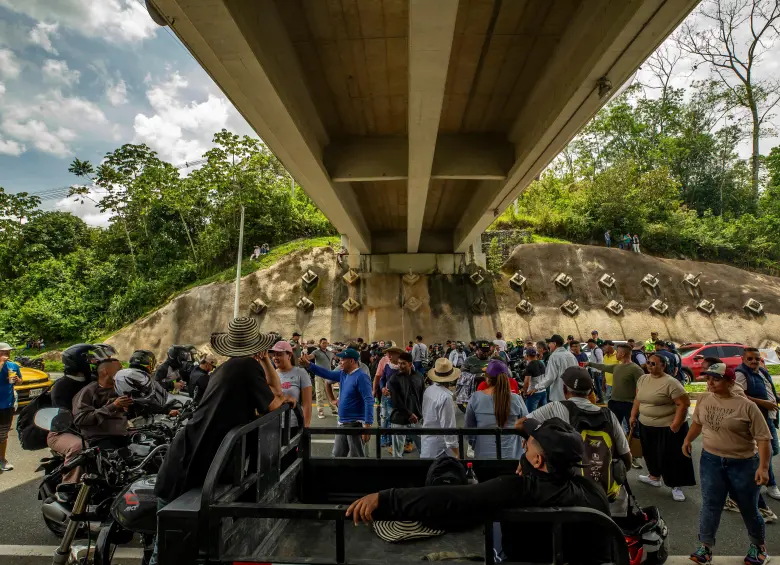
(548, 390)
(624, 241)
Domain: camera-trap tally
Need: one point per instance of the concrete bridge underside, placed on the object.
(413, 123)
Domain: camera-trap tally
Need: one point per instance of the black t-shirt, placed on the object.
(454, 507)
(65, 390)
(534, 369)
(238, 390)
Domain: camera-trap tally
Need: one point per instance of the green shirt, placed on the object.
(624, 379)
(475, 365)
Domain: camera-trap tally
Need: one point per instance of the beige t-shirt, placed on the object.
(730, 426)
(656, 399)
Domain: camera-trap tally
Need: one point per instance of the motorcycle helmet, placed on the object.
(180, 354)
(143, 359)
(83, 358)
(139, 386)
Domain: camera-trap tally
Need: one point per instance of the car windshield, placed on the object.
(687, 351)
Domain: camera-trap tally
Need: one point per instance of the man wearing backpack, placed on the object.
(602, 433)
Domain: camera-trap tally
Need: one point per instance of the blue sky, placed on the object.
(78, 78)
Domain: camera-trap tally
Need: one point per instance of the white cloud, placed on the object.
(116, 92)
(116, 21)
(53, 121)
(9, 65)
(9, 147)
(2, 89)
(85, 209)
(39, 134)
(181, 129)
(42, 34)
(58, 72)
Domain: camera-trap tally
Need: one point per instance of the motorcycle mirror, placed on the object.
(54, 419)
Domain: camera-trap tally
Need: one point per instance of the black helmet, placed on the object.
(84, 358)
(144, 360)
(178, 355)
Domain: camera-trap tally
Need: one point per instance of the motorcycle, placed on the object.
(106, 473)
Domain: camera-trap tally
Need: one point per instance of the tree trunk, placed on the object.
(187, 231)
(130, 245)
(756, 156)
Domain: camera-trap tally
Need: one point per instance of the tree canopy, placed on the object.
(63, 280)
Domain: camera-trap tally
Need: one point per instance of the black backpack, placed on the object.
(446, 470)
(597, 435)
(31, 437)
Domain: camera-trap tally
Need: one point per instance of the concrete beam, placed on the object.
(368, 159)
(245, 49)
(457, 156)
(607, 38)
(431, 31)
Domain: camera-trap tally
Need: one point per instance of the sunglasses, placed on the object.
(653, 364)
(752, 358)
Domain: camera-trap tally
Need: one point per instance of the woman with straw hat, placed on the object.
(439, 410)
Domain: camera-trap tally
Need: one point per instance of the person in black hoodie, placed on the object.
(80, 367)
(406, 392)
(546, 477)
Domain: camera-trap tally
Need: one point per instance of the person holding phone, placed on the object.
(10, 375)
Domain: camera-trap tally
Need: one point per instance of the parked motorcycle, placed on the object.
(105, 475)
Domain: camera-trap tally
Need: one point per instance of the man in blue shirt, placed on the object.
(671, 361)
(356, 400)
(10, 374)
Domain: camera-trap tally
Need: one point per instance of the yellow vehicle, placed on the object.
(34, 383)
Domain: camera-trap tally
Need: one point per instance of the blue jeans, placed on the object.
(722, 476)
(608, 394)
(598, 380)
(387, 409)
(399, 441)
(536, 400)
(622, 411)
(418, 366)
(775, 450)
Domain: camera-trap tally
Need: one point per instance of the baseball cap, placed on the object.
(594, 332)
(531, 351)
(5, 346)
(349, 353)
(569, 337)
(496, 367)
(556, 339)
(482, 344)
(609, 342)
(562, 445)
(296, 334)
(577, 379)
(282, 347)
(718, 371)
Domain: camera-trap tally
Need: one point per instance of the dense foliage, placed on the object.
(666, 168)
(63, 280)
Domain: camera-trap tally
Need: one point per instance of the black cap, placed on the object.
(562, 445)
(483, 344)
(296, 334)
(556, 339)
(577, 379)
(609, 342)
(569, 337)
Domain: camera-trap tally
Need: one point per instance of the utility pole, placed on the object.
(238, 263)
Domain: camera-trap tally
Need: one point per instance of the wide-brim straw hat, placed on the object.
(394, 349)
(243, 338)
(443, 371)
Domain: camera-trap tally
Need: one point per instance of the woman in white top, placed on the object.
(438, 410)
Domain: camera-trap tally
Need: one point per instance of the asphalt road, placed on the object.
(21, 522)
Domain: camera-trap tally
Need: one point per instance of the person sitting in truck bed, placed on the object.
(548, 476)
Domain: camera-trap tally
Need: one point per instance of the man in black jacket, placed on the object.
(406, 392)
(546, 477)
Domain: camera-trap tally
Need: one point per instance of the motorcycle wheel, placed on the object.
(109, 538)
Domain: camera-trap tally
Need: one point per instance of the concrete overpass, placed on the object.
(413, 123)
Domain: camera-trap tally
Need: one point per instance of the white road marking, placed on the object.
(48, 551)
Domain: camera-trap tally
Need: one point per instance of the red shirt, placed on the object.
(512, 386)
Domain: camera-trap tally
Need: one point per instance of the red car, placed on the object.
(694, 353)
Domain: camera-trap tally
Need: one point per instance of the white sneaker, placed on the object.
(5, 465)
(320, 414)
(648, 481)
(769, 516)
(678, 495)
(773, 492)
(731, 506)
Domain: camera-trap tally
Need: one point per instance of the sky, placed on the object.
(78, 78)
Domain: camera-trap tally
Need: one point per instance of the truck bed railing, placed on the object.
(251, 478)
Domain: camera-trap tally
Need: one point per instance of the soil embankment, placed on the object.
(451, 306)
